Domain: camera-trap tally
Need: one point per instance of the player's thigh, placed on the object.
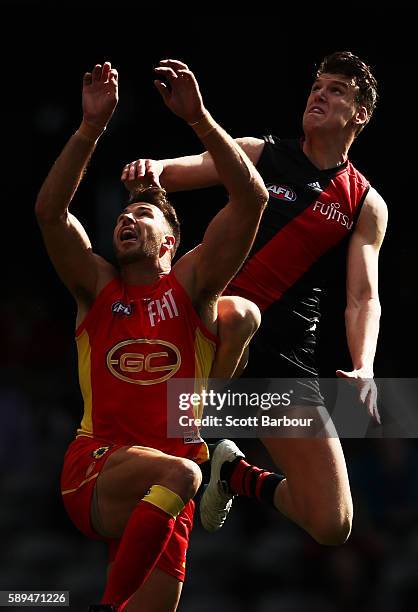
(124, 480)
(127, 473)
(160, 593)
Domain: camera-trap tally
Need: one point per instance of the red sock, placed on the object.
(250, 481)
(146, 534)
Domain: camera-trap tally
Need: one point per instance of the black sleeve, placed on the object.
(268, 164)
(359, 207)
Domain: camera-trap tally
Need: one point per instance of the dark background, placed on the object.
(254, 69)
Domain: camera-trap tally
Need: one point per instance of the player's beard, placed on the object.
(144, 251)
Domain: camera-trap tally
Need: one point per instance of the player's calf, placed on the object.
(315, 493)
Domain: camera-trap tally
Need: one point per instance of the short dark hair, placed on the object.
(157, 197)
(351, 66)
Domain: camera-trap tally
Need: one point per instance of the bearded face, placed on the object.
(139, 233)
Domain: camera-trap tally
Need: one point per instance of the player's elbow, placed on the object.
(251, 200)
(363, 303)
(42, 210)
(45, 213)
(261, 195)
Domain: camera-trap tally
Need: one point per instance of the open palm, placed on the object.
(100, 94)
(182, 96)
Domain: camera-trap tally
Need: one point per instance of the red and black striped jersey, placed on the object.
(310, 216)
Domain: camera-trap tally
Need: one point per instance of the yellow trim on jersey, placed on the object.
(203, 454)
(166, 500)
(204, 351)
(84, 375)
(80, 485)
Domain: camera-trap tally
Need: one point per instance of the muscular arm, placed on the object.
(197, 171)
(66, 240)
(206, 270)
(363, 306)
(184, 173)
(231, 233)
(362, 313)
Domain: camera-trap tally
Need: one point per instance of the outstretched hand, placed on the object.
(366, 388)
(182, 94)
(100, 94)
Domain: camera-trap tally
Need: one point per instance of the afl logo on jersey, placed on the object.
(281, 192)
(143, 362)
(121, 308)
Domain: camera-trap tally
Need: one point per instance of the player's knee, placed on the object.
(238, 317)
(332, 530)
(185, 478)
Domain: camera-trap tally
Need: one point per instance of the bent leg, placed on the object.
(315, 493)
(160, 593)
(140, 492)
(126, 477)
(238, 320)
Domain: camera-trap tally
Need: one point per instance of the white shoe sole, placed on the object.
(215, 503)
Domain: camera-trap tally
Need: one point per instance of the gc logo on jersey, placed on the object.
(143, 362)
(281, 192)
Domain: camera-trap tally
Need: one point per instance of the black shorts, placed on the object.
(295, 366)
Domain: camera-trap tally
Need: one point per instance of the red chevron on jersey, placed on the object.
(297, 231)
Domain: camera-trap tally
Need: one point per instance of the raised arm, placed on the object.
(208, 268)
(66, 240)
(362, 314)
(184, 173)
